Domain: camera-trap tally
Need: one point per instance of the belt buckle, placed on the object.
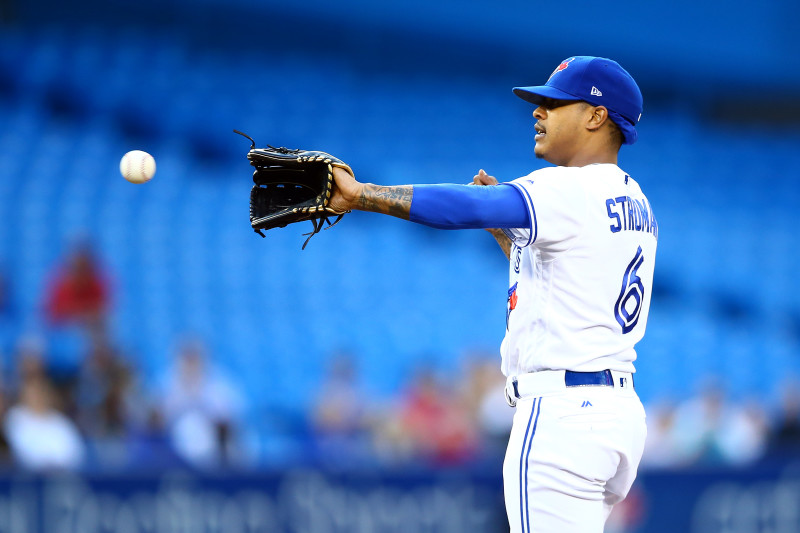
(512, 402)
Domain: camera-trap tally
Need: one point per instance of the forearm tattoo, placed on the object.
(395, 201)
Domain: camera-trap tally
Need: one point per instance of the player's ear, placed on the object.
(597, 117)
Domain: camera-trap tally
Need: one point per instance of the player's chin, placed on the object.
(539, 151)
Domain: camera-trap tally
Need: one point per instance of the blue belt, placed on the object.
(602, 378)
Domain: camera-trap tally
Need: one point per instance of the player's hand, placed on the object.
(482, 178)
(346, 191)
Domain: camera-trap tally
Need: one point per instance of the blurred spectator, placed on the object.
(102, 401)
(203, 411)
(30, 356)
(79, 292)
(628, 515)
(5, 449)
(486, 386)
(786, 437)
(33, 360)
(661, 449)
(148, 442)
(338, 417)
(708, 429)
(101, 392)
(436, 424)
(40, 437)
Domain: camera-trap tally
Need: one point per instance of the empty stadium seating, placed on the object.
(183, 258)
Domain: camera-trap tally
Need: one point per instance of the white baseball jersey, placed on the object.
(581, 275)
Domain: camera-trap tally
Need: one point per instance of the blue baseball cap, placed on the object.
(598, 81)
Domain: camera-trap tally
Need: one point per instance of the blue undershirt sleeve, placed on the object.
(450, 206)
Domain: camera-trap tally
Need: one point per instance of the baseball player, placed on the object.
(581, 238)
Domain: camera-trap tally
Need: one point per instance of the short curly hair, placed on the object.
(617, 137)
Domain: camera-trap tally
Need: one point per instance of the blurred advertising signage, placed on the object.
(303, 501)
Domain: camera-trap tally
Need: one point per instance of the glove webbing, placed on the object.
(317, 227)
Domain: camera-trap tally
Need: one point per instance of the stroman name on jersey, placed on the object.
(630, 214)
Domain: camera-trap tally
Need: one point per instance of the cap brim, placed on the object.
(535, 95)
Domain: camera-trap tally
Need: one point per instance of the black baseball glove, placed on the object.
(291, 186)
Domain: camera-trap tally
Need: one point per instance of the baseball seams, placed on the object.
(137, 166)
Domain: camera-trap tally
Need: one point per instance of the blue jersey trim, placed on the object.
(534, 225)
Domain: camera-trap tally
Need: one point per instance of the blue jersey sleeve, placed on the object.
(450, 206)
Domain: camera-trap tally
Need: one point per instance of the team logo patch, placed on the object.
(562, 66)
(512, 301)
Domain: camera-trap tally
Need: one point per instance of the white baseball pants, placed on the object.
(572, 454)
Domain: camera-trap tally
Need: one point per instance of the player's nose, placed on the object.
(539, 113)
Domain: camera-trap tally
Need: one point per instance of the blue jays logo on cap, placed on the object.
(598, 81)
(564, 64)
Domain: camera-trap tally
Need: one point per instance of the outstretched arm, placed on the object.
(440, 206)
(395, 201)
(350, 194)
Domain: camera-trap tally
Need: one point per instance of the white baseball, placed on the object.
(137, 166)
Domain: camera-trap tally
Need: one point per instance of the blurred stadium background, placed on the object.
(165, 369)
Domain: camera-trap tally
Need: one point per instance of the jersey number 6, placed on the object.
(632, 287)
